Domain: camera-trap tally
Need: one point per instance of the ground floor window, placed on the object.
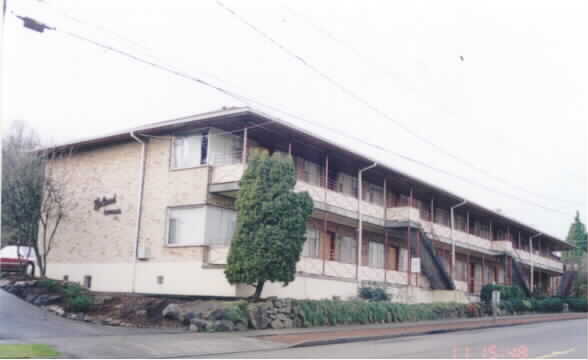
(185, 226)
(312, 245)
(376, 254)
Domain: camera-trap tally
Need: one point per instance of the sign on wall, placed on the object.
(99, 203)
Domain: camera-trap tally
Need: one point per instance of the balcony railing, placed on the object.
(335, 198)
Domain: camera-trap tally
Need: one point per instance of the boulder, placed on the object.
(58, 310)
(223, 325)
(218, 314)
(141, 313)
(258, 315)
(88, 318)
(54, 299)
(240, 326)
(155, 309)
(186, 318)
(172, 312)
(40, 300)
(197, 324)
(101, 299)
(30, 298)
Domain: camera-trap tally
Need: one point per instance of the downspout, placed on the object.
(531, 285)
(360, 215)
(139, 204)
(451, 210)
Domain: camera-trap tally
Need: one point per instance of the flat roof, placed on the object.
(208, 118)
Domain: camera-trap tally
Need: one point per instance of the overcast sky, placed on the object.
(499, 85)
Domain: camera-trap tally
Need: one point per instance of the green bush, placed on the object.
(506, 292)
(549, 305)
(72, 290)
(50, 285)
(373, 294)
(577, 304)
(80, 303)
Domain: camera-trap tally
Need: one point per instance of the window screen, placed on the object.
(221, 224)
(346, 249)
(185, 226)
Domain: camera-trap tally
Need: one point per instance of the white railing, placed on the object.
(228, 158)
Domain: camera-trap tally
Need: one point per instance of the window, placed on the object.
(185, 226)
(375, 194)
(221, 224)
(346, 249)
(312, 245)
(224, 149)
(376, 254)
(187, 151)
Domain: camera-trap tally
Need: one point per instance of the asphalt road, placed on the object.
(561, 339)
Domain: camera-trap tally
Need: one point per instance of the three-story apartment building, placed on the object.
(152, 211)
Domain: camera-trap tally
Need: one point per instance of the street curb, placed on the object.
(344, 340)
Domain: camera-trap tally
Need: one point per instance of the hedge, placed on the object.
(506, 292)
(336, 312)
(546, 305)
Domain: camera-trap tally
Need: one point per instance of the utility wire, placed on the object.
(250, 101)
(365, 102)
(316, 27)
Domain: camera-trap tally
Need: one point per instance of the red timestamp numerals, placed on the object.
(491, 352)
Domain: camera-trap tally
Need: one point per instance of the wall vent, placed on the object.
(160, 279)
(65, 277)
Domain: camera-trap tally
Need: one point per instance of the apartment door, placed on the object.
(472, 278)
(332, 245)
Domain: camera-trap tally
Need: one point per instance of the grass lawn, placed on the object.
(27, 351)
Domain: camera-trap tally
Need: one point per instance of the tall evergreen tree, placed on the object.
(577, 236)
(271, 224)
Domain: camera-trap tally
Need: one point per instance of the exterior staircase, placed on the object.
(519, 278)
(431, 264)
(567, 280)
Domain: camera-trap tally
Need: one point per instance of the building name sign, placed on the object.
(104, 201)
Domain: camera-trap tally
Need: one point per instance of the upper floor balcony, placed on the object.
(339, 196)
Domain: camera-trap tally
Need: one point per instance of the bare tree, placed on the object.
(34, 197)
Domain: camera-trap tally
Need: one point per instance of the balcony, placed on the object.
(227, 172)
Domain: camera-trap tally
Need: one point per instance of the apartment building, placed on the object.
(153, 212)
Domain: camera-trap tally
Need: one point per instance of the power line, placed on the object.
(329, 34)
(250, 101)
(365, 102)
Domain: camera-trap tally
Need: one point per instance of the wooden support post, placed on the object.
(290, 149)
(432, 210)
(326, 214)
(386, 249)
(408, 242)
(483, 271)
(468, 222)
(244, 153)
(418, 254)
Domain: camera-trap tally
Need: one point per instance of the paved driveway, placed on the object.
(20, 320)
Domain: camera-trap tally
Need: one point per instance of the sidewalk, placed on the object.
(334, 335)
